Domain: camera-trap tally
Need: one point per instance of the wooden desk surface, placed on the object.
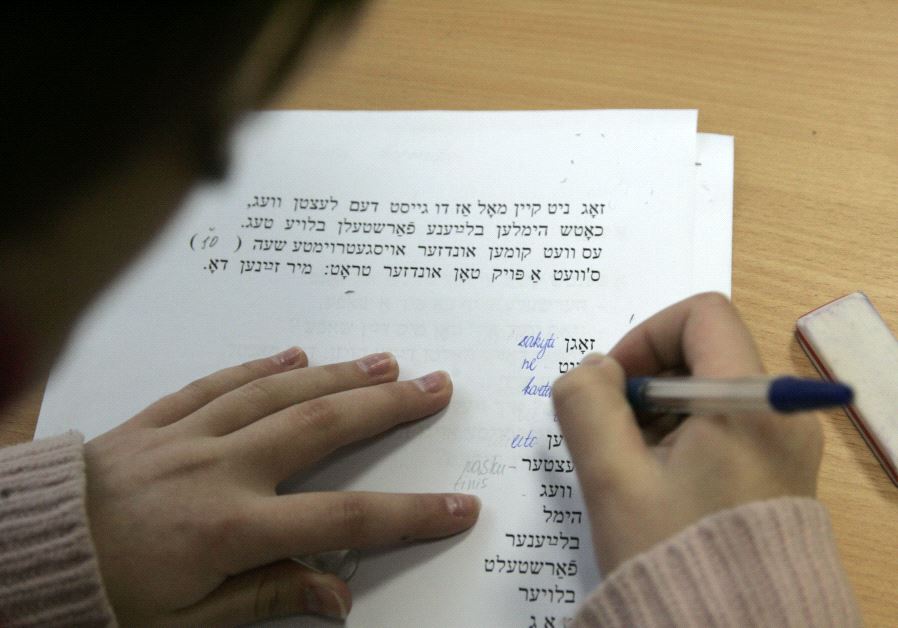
(809, 89)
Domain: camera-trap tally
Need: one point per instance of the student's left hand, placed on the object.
(182, 503)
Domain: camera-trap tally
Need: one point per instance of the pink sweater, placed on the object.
(762, 564)
(48, 567)
(770, 563)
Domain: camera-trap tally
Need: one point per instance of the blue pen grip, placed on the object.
(791, 394)
(636, 392)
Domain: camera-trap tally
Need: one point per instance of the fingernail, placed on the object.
(288, 357)
(433, 382)
(326, 602)
(376, 364)
(593, 359)
(313, 600)
(462, 506)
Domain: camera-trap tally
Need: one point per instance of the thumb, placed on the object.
(275, 590)
(598, 424)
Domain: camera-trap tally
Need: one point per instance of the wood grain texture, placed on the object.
(809, 89)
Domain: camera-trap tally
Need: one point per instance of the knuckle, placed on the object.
(614, 369)
(226, 525)
(706, 430)
(815, 436)
(175, 461)
(713, 300)
(564, 399)
(256, 390)
(606, 480)
(340, 372)
(248, 368)
(401, 394)
(272, 597)
(428, 513)
(704, 434)
(198, 390)
(770, 431)
(200, 459)
(352, 517)
(259, 366)
(253, 371)
(597, 378)
(568, 384)
(316, 415)
(224, 533)
(436, 510)
(805, 436)
(338, 376)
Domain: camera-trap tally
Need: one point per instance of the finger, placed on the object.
(703, 333)
(284, 588)
(796, 437)
(598, 424)
(197, 394)
(308, 523)
(659, 428)
(264, 396)
(300, 435)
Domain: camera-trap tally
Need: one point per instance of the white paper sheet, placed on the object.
(604, 202)
(713, 225)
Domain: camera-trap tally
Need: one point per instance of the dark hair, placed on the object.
(82, 82)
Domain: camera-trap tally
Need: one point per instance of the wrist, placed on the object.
(45, 543)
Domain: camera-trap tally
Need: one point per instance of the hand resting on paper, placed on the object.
(639, 493)
(182, 502)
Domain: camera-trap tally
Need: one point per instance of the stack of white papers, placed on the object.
(499, 246)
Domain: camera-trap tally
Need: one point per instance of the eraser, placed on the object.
(848, 341)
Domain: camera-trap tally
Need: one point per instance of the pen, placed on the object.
(690, 395)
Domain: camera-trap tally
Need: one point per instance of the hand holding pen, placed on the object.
(639, 493)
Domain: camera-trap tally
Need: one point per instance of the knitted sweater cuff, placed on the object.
(48, 567)
(770, 563)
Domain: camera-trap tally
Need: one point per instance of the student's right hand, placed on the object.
(639, 494)
(188, 527)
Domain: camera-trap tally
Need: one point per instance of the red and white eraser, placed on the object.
(848, 341)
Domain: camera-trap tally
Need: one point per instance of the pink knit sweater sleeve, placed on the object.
(48, 567)
(771, 563)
